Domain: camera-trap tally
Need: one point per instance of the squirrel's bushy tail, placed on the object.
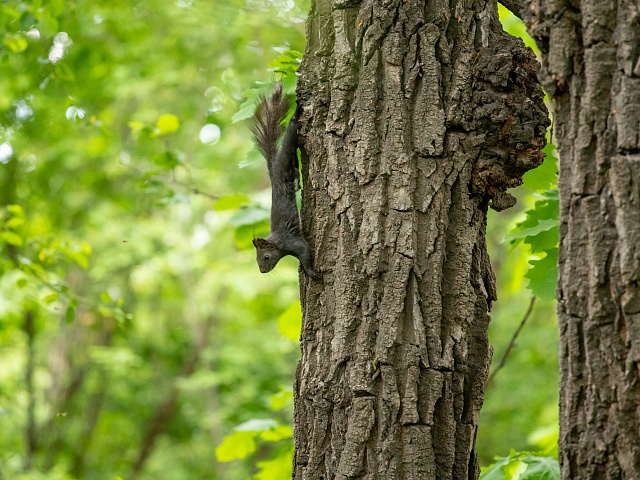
(267, 125)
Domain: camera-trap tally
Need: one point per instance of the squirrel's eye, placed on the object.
(267, 257)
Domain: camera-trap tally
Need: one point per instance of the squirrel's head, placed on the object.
(267, 254)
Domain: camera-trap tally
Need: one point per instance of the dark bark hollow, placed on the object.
(591, 68)
(415, 118)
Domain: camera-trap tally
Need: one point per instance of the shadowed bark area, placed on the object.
(591, 68)
(415, 118)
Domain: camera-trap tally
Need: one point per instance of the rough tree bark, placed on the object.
(417, 115)
(591, 69)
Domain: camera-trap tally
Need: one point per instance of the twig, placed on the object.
(96, 401)
(512, 343)
(200, 192)
(30, 433)
(58, 431)
(168, 407)
(188, 185)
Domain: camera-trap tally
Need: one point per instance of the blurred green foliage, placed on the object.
(522, 466)
(137, 338)
(122, 205)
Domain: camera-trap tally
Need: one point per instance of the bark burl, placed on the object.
(416, 117)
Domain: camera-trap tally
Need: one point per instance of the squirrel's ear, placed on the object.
(262, 243)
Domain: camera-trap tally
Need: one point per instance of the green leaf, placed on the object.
(247, 163)
(27, 20)
(47, 24)
(247, 107)
(290, 321)
(539, 230)
(11, 238)
(546, 439)
(541, 226)
(278, 468)
(521, 466)
(167, 123)
(229, 76)
(249, 216)
(543, 276)
(236, 446)
(277, 433)
(105, 297)
(280, 399)
(494, 471)
(541, 468)
(514, 469)
(22, 282)
(77, 255)
(16, 210)
(256, 425)
(230, 202)
(546, 208)
(85, 248)
(49, 298)
(14, 222)
(70, 314)
(167, 160)
(287, 64)
(546, 175)
(544, 241)
(16, 43)
(287, 58)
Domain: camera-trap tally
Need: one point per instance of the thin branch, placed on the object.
(188, 185)
(30, 431)
(95, 404)
(77, 377)
(195, 191)
(512, 343)
(53, 431)
(168, 407)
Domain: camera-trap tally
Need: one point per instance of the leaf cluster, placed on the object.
(539, 232)
(522, 466)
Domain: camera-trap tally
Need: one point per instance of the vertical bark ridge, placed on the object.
(414, 121)
(591, 67)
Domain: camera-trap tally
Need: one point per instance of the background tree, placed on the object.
(130, 194)
(416, 118)
(591, 70)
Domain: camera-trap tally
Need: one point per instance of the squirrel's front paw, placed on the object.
(311, 272)
(315, 275)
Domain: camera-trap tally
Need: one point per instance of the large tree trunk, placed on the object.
(590, 51)
(415, 118)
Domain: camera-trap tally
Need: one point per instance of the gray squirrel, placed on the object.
(286, 236)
